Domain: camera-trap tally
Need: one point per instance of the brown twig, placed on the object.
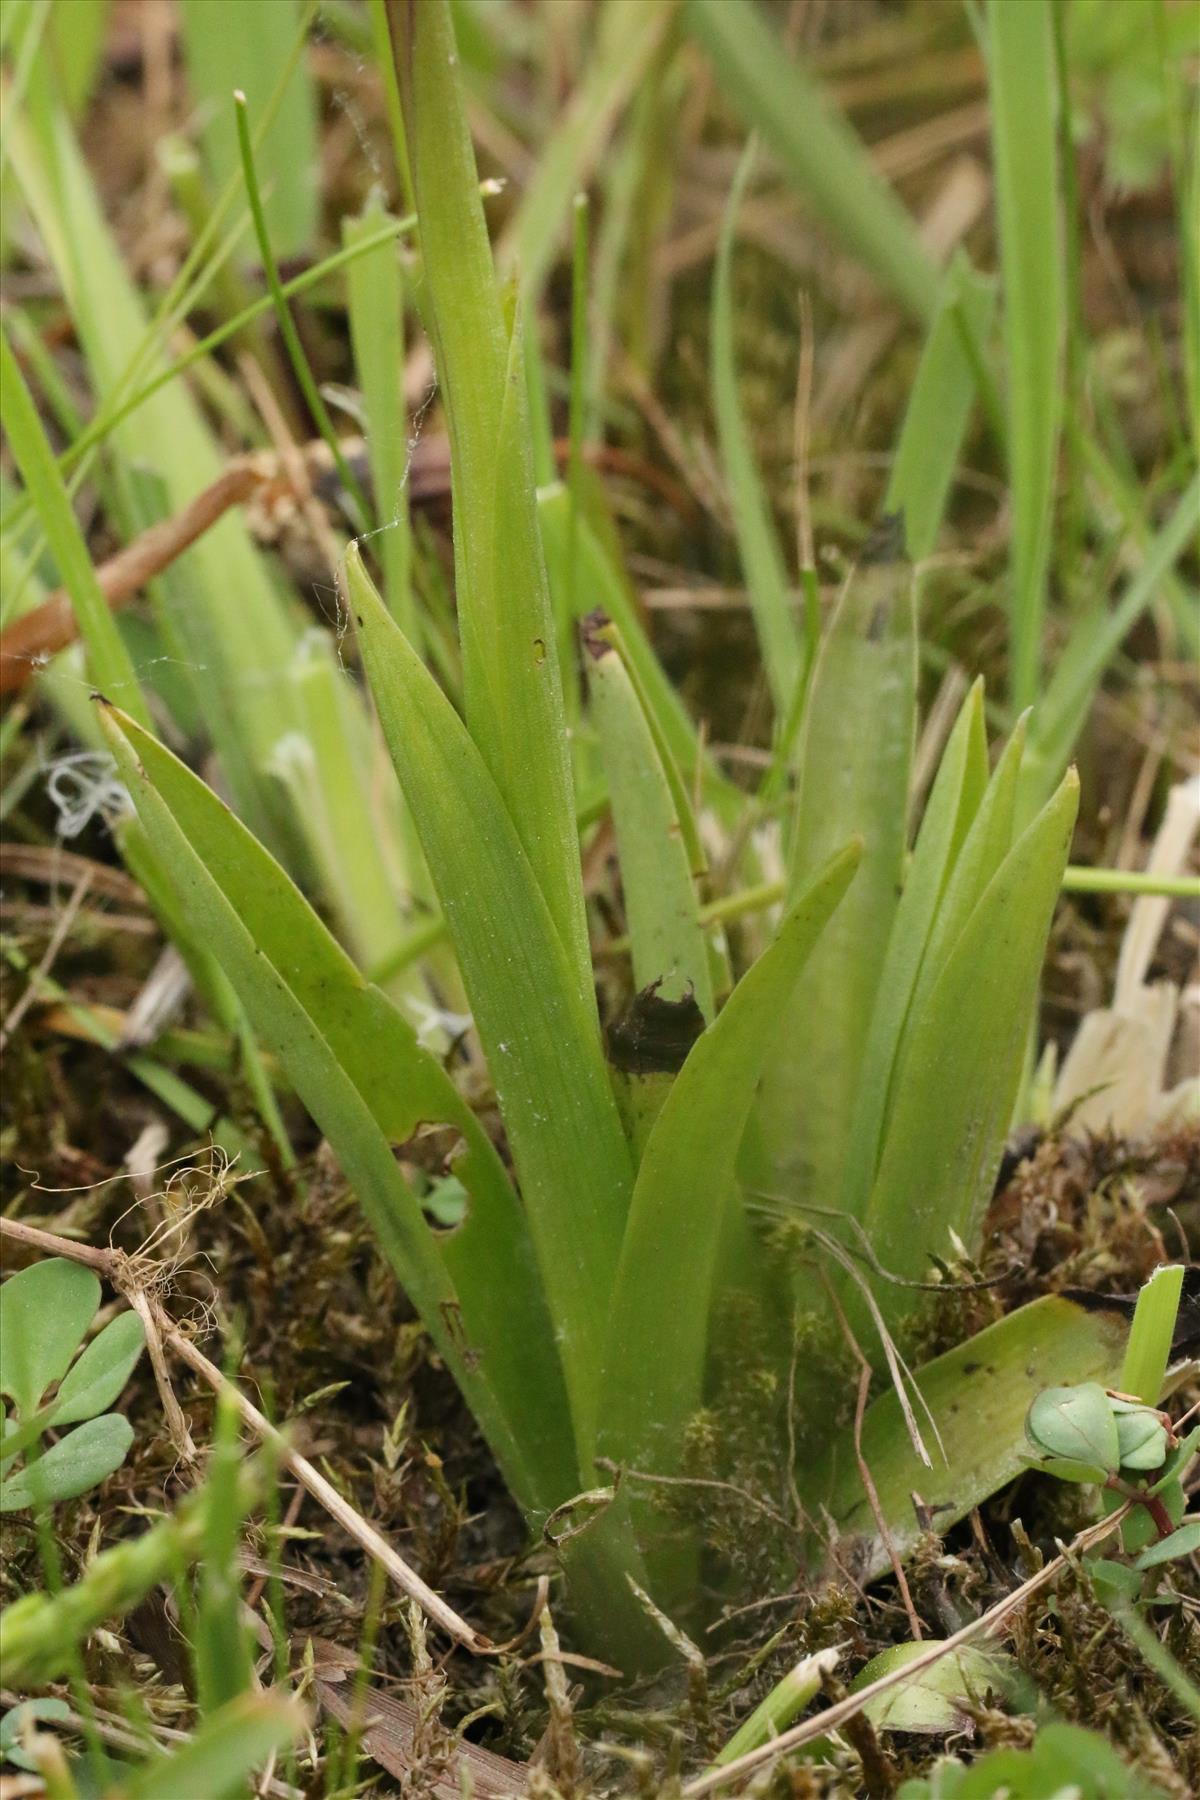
(32, 639)
(123, 1272)
(57, 940)
(834, 1716)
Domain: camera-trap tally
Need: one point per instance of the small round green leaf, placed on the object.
(1076, 1423)
(102, 1371)
(44, 1313)
(1142, 1437)
(81, 1460)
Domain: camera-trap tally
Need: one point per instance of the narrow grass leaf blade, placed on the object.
(511, 684)
(939, 406)
(958, 1080)
(988, 840)
(1025, 155)
(1060, 715)
(232, 44)
(979, 1394)
(658, 1335)
(776, 96)
(762, 558)
(376, 304)
(538, 1030)
(1150, 1335)
(628, 32)
(224, 1753)
(855, 758)
(109, 663)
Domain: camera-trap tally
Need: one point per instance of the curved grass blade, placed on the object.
(813, 143)
(354, 1062)
(758, 543)
(1025, 155)
(939, 406)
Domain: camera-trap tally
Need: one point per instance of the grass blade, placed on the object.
(939, 406)
(762, 558)
(628, 32)
(377, 335)
(232, 44)
(775, 96)
(1025, 156)
(109, 663)
(512, 685)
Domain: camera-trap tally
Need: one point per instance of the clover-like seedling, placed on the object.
(1112, 1440)
(45, 1312)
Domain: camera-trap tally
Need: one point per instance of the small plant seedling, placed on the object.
(1062, 1760)
(45, 1313)
(1120, 1441)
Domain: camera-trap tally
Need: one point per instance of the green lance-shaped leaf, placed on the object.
(1076, 1423)
(511, 684)
(538, 1030)
(101, 1372)
(76, 1463)
(352, 1060)
(657, 877)
(762, 558)
(957, 1080)
(45, 1311)
(939, 406)
(376, 307)
(988, 840)
(854, 762)
(978, 1394)
(599, 583)
(775, 95)
(1151, 1333)
(658, 1335)
(224, 1753)
(954, 800)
